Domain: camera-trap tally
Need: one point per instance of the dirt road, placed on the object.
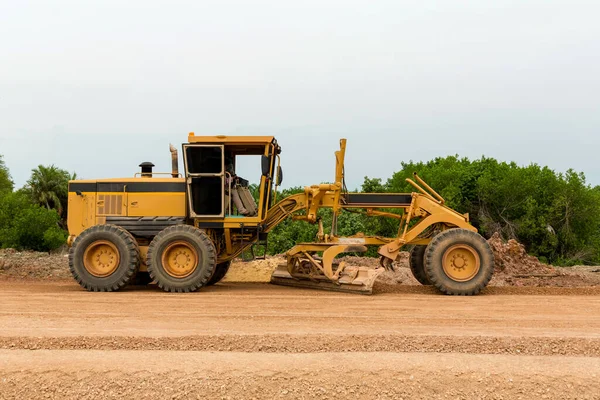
(261, 341)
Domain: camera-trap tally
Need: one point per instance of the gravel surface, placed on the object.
(537, 346)
(200, 375)
(524, 337)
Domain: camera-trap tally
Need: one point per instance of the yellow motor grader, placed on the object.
(182, 232)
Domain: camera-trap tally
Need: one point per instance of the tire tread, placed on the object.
(192, 233)
(132, 254)
(435, 272)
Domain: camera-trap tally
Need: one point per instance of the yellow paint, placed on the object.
(156, 204)
(222, 139)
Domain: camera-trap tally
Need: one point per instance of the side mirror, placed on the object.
(266, 165)
(279, 176)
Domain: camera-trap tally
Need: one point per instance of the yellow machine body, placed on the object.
(150, 202)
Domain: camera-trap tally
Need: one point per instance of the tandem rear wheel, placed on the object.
(104, 258)
(181, 258)
(459, 262)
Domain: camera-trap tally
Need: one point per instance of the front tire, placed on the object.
(104, 258)
(181, 258)
(459, 262)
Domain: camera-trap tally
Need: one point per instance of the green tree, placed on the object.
(576, 211)
(27, 226)
(554, 215)
(6, 183)
(373, 185)
(49, 186)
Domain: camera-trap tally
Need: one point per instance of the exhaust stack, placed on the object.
(174, 165)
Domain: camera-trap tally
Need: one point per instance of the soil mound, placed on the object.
(34, 265)
(253, 271)
(512, 267)
(512, 259)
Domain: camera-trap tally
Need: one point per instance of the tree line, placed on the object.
(555, 215)
(34, 217)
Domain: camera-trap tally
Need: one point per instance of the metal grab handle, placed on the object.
(229, 179)
(276, 185)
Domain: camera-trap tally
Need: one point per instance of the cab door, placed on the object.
(205, 180)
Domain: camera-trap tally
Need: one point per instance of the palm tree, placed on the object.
(48, 187)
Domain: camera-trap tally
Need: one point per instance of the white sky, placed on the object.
(97, 87)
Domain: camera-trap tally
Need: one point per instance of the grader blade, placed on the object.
(305, 269)
(352, 280)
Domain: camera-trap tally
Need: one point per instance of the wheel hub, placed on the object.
(101, 258)
(180, 259)
(461, 262)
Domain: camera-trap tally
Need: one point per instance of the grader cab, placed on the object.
(183, 230)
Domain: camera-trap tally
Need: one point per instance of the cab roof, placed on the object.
(192, 138)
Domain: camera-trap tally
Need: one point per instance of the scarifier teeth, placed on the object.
(387, 264)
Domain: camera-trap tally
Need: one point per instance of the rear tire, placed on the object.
(417, 265)
(459, 262)
(219, 273)
(104, 258)
(181, 258)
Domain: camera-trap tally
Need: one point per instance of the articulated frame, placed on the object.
(426, 210)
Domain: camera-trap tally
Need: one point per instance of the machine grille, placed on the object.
(110, 204)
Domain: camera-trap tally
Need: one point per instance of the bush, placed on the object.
(26, 226)
(556, 216)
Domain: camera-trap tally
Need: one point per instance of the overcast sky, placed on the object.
(97, 87)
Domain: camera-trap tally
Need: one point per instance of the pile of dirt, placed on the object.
(401, 274)
(514, 267)
(512, 259)
(34, 265)
(260, 270)
(253, 271)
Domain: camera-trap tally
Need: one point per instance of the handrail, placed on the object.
(229, 196)
(276, 185)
